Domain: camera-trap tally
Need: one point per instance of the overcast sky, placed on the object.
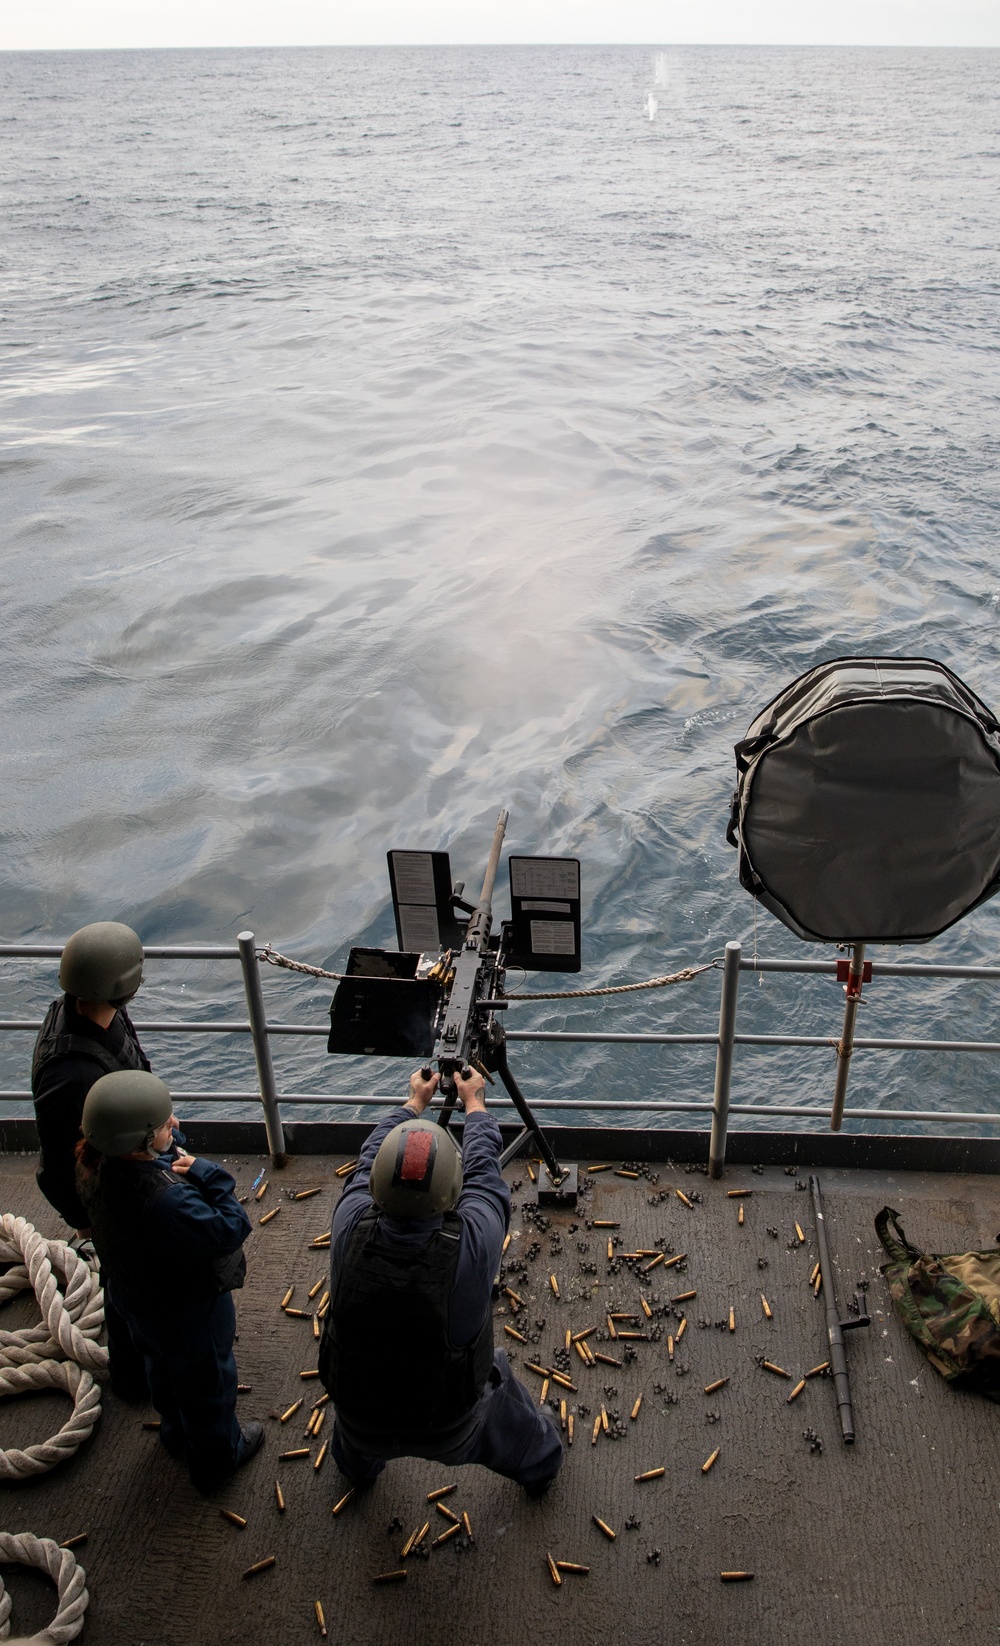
(64, 24)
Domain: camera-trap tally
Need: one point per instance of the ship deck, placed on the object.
(891, 1538)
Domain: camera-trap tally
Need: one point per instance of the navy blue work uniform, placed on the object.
(170, 1246)
(503, 1429)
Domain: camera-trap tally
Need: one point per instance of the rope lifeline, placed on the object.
(62, 1567)
(66, 1375)
(273, 958)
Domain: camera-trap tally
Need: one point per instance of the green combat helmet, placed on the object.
(417, 1172)
(102, 962)
(123, 1110)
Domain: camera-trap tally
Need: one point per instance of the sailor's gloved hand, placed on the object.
(421, 1091)
(471, 1091)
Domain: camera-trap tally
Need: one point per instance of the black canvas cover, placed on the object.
(867, 805)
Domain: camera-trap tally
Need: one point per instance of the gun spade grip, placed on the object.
(427, 1073)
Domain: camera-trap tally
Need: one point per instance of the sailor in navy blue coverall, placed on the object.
(169, 1233)
(510, 1434)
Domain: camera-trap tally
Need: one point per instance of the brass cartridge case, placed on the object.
(670, 1348)
(320, 1619)
(732, 1319)
(573, 1566)
(710, 1460)
(391, 1577)
(279, 1497)
(342, 1171)
(74, 1542)
(553, 1282)
(449, 1515)
(765, 1305)
(518, 1336)
(569, 1338)
(684, 1297)
(268, 1216)
(736, 1577)
(740, 1219)
(260, 1565)
(531, 1171)
(467, 1523)
(449, 1531)
(297, 1314)
(800, 1385)
(553, 1571)
(606, 1168)
(320, 1455)
(543, 1397)
(299, 1451)
(311, 1372)
(678, 1258)
(738, 1194)
(622, 1173)
(779, 1371)
(609, 1360)
(262, 1191)
(647, 1311)
(305, 1194)
(824, 1366)
(650, 1474)
(634, 1413)
(719, 1383)
(570, 1423)
(604, 1419)
(603, 1526)
(597, 1430)
(801, 1236)
(441, 1491)
(652, 1265)
(562, 1414)
(682, 1196)
(231, 1515)
(342, 1503)
(287, 1297)
(682, 1328)
(293, 1408)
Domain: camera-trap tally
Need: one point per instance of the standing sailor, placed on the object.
(170, 1240)
(86, 1034)
(407, 1352)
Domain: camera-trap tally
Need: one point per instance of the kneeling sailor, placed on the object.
(407, 1352)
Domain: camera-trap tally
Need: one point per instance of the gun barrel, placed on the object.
(481, 921)
(834, 1330)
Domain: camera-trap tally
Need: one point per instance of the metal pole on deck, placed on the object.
(724, 1059)
(845, 1045)
(262, 1049)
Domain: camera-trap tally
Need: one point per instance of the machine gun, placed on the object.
(439, 997)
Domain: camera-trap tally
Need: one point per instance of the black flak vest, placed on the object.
(55, 1040)
(387, 1357)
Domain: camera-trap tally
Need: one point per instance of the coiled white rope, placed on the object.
(66, 1375)
(72, 1315)
(68, 1576)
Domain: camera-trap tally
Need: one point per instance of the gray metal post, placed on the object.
(724, 1059)
(845, 1045)
(262, 1049)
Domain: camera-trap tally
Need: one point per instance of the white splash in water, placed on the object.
(651, 106)
(661, 68)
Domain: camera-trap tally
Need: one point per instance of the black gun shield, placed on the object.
(381, 1009)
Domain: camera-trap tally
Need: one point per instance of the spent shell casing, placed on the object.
(611, 1248)
(517, 1336)
(740, 1218)
(824, 1366)
(531, 1172)
(262, 1191)
(597, 1430)
(298, 1314)
(634, 1337)
(508, 1237)
(719, 1383)
(736, 1577)
(449, 1531)
(288, 1297)
(678, 1258)
(443, 1509)
(316, 1327)
(305, 1194)
(612, 1328)
(441, 1491)
(322, 1401)
(670, 1348)
(813, 1273)
(801, 1236)
(299, 1451)
(74, 1542)
(682, 1196)
(581, 1349)
(573, 1566)
(682, 1328)
(779, 1371)
(408, 1545)
(636, 1408)
(647, 1311)
(553, 1282)
(151, 1423)
(564, 1382)
(570, 1421)
(591, 1356)
(311, 1372)
(603, 1526)
(342, 1171)
(319, 1245)
(514, 1297)
(683, 1297)
(231, 1515)
(533, 1366)
(543, 1397)
(320, 1619)
(416, 1540)
(467, 1523)
(609, 1360)
(553, 1571)
(604, 1419)
(710, 1460)
(244, 1388)
(605, 1223)
(268, 1215)
(343, 1502)
(649, 1474)
(605, 1168)
(738, 1194)
(652, 1265)
(293, 1408)
(320, 1455)
(817, 1288)
(732, 1320)
(319, 1414)
(578, 1337)
(279, 1497)
(569, 1337)
(622, 1173)
(260, 1565)
(765, 1305)
(390, 1577)
(800, 1385)
(562, 1414)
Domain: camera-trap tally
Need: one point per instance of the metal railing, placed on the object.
(725, 1039)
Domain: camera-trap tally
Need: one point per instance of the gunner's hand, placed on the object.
(471, 1091)
(421, 1091)
(183, 1163)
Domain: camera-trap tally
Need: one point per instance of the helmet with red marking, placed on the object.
(417, 1172)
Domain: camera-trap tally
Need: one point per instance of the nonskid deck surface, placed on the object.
(844, 1544)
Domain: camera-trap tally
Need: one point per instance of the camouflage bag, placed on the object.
(951, 1305)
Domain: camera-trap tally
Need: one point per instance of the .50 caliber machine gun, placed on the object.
(439, 997)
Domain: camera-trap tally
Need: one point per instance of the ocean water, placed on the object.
(387, 436)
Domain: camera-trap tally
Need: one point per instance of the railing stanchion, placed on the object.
(845, 1045)
(262, 1049)
(724, 1059)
